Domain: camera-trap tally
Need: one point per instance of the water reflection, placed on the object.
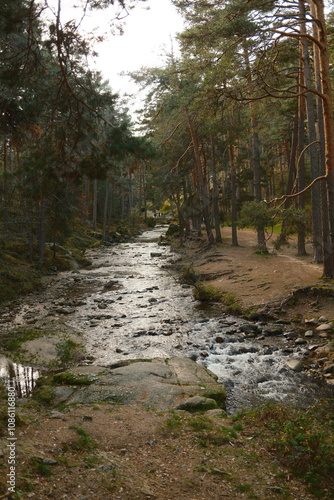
(22, 377)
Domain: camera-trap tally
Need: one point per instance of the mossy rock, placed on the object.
(217, 394)
(198, 404)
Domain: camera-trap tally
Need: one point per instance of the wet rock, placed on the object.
(249, 328)
(152, 300)
(290, 335)
(295, 364)
(219, 340)
(156, 254)
(329, 368)
(65, 310)
(111, 284)
(309, 333)
(272, 331)
(167, 333)
(300, 341)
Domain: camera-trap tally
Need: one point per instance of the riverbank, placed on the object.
(261, 281)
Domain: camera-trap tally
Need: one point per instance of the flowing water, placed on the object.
(130, 304)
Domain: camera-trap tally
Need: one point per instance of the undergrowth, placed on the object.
(303, 440)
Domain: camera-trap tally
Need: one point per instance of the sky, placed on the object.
(149, 33)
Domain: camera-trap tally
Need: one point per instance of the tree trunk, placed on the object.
(94, 204)
(105, 213)
(215, 200)
(321, 138)
(312, 136)
(301, 168)
(203, 187)
(41, 233)
(233, 196)
(317, 8)
(261, 238)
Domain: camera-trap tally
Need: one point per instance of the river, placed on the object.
(130, 304)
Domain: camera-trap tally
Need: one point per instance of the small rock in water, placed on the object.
(309, 333)
(324, 327)
(300, 341)
(249, 328)
(295, 364)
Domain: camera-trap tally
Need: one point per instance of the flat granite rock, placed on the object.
(156, 383)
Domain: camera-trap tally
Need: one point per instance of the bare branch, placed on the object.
(289, 196)
(171, 134)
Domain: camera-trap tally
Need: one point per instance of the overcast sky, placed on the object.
(149, 33)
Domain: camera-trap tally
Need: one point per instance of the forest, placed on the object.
(236, 130)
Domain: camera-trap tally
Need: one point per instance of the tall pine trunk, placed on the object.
(215, 201)
(312, 136)
(203, 185)
(317, 9)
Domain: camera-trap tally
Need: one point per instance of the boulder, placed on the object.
(197, 403)
(295, 364)
(158, 383)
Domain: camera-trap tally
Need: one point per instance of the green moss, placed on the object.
(219, 395)
(44, 394)
(67, 378)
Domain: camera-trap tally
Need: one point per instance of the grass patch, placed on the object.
(41, 468)
(83, 442)
(208, 293)
(173, 424)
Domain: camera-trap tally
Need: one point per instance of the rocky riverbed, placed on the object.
(130, 305)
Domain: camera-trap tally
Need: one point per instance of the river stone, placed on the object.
(249, 328)
(312, 321)
(159, 383)
(295, 364)
(324, 327)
